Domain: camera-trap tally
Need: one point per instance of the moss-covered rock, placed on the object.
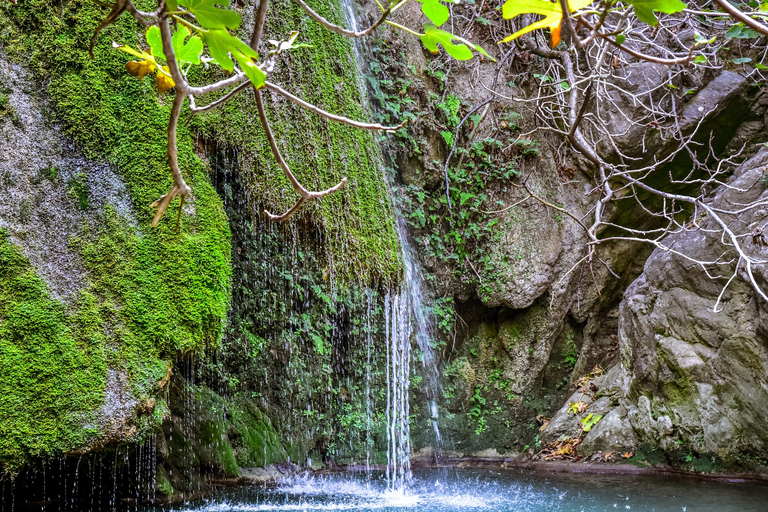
(146, 294)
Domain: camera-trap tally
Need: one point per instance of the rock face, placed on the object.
(706, 371)
(693, 381)
(530, 322)
(49, 188)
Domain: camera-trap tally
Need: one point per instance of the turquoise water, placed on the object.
(492, 491)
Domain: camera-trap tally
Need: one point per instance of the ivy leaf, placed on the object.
(186, 52)
(645, 8)
(552, 12)
(741, 31)
(210, 16)
(436, 11)
(221, 44)
(434, 36)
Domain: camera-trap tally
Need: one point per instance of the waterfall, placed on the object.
(398, 336)
(407, 318)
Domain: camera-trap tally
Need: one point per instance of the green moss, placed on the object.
(359, 239)
(219, 450)
(157, 292)
(162, 482)
(78, 190)
(52, 364)
(258, 442)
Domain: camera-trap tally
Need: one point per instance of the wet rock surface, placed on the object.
(49, 190)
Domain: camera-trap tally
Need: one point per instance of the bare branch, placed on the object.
(333, 117)
(258, 25)
(179, 185)
(231, 94)
(304, 194)
(340, 30)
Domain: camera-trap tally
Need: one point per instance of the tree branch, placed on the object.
(258, 25)
(740, 16)
(305, 195)
(340, 30)
(179, 185)
(333, 117)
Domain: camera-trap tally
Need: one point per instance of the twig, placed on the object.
(305, 195)
(375, 127)
(340, 30)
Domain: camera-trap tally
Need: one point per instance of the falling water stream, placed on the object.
(406, 319)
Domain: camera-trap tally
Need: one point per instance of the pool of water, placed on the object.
(491, 491)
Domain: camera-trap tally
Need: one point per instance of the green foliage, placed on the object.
(53, 364)
(589, 421)
(570, 352)
(444, 313)
(644, 9)
(475, 412)
(212, 17)
(433, 36)
(741, 31)
(436, 11)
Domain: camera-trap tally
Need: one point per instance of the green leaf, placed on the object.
(448, 136)
(742, 60)
(186, 52)
(221, 43)
(741, 31)
(702, 40)
(436, 11)
(760, 66)
(620, 39)
(645, 9)
(434, 36)
(155, 41)
(257, 77)
(210, 16)
(700, 59)
(590, 421)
